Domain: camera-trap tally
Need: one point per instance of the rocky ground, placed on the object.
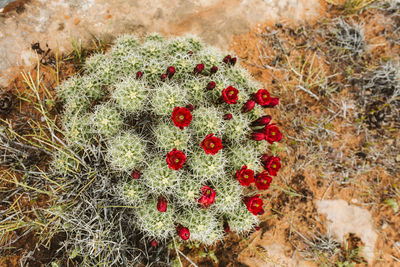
(335, 202)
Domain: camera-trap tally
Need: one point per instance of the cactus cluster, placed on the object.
(177, 125)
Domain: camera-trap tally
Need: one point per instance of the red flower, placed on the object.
(257, 228)
(163, 77)
(162, 204)
(254, 204)
(257, 136)
(245, 176)
(228, 116)
(190, 107)
(211, 144)
(249, 105)
(170, 71)
(211, 85)
(227, 59)
(183, 232)
(154, 243)
(272, 164)
(264, 120)
(181, 117)
(175, 159)
(230, 95)
(139, 75)
(274, 102)
(199, 68)
(232, 61)
(208, 196)
(213, 69)
(262, 97)
(263, 180)
(272, 133)
(135, 174)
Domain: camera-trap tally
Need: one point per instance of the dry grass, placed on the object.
(322, 73)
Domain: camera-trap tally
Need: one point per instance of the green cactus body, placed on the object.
(129, 118)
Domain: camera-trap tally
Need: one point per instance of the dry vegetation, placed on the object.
(339, 88)
(338, 82)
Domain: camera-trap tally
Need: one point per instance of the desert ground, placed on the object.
(334, 66)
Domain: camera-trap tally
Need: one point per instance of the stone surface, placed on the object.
(3, 3)
(272, 253)
(56, 22)
(343, 218)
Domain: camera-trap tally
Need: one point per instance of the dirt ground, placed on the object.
(333, 202)
(342, 192)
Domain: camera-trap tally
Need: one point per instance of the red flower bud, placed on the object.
(227, 229)
(211, 85)
(213, 69)
(228, 117)
(190, 53)
(163, 77)
(154, 243)
(170, 71)
(264, 120)
(232, 61)
(162, 204)
(139, 75)
(257, 136)
(264, 158)
(190, 107)
(249, 105)
(199, 68)
(257, 228)
(135, 175)
(183, 232)
(227, 59)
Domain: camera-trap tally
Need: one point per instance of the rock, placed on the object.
(56, 22)
(343, 219)
(272, 254)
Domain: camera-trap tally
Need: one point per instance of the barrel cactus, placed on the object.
(180, 130)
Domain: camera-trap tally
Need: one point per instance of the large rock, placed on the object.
(55, 22)
(343, 219)
(265, 251)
